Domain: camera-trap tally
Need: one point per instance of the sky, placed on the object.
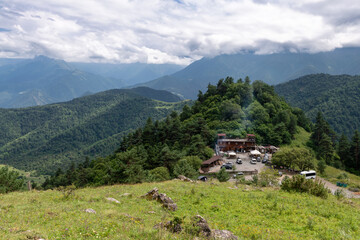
(173, 31)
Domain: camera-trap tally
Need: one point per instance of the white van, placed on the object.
(309, 174)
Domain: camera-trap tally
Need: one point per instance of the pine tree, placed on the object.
(343, 150)
(355, 150)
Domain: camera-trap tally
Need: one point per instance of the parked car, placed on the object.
(202, 178)
(264, 161)
(280, 174)
(239, 161)
(226, 166)
(253, 161)
(240, 174)
(258, 159)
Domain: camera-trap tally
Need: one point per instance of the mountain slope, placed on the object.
(43, 80)
(46, 137)
(272, 69)
(337, 97)
(130, 74)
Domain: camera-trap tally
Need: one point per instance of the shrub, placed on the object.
(159, 174)
(298, 183)
(183, 167)
(339, 194)
(268, 177)
(9, 181)
(222, 175)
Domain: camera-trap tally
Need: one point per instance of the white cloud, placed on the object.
(164, 31)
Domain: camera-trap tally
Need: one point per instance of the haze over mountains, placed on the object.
(42, 80)
(272, 69)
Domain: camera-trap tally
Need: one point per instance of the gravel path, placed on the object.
(333, 188)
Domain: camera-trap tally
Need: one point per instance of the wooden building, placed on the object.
(206, 165)
(241, 145)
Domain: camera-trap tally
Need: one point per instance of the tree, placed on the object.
(355, 150)
(223, 175)
(159, 174)
(9, 180)
(183, 167)
(268, 177)
(343, 150)
(326, 149)
(321, 166)
(294, 157)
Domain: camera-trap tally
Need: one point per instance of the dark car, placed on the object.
(239, 161)
(264, 160)
(258, 159)
(202, 178)
(226, 166)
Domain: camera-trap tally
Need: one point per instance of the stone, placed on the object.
(90, 210)
(126, 194)
(170, 226)
(185, 179)
(112, 200)
(166, 201)
(223, 235)
(201, 224)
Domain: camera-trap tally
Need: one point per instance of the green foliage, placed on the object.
(48, 137)
(294, 157)
(336, 97)
(298, 183)
(268, 177)
(9, 180)
(181, 142)
(321, 166)
(184, 167)
(223, 175)
(159, 174)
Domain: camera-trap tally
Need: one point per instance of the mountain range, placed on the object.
(272, 69)
(46, 137)
(42, 80)
(337, 97)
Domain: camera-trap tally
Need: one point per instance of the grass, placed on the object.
(332, 173)
(300, 138)
(250, 213)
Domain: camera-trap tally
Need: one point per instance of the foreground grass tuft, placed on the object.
(265, 213)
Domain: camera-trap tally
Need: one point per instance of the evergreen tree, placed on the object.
(343, 150)
(355, 151)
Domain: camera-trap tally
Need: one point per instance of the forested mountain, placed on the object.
(44, 80)
(178, 144)
(131, 73)
(272, 69)
(46, 137)
(337, 97)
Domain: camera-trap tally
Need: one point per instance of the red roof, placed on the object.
(250, 135)
(221, 135)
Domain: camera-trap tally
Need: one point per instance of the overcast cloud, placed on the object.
(169, 31)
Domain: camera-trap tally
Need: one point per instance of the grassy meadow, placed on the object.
(250, 213)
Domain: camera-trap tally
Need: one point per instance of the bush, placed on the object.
(222, 175)
(9, 181)
(298, 183)
(159, 174)
(268, 177)
(183, 167)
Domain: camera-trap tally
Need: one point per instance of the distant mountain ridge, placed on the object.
(46, 137)
(336, 96)
(43, 80)
(129, 74)
(272, 69)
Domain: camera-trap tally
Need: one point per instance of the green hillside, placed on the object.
(337, 97)
(248, 212)
(47, 137)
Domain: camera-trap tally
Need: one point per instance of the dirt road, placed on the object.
(333, 188)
